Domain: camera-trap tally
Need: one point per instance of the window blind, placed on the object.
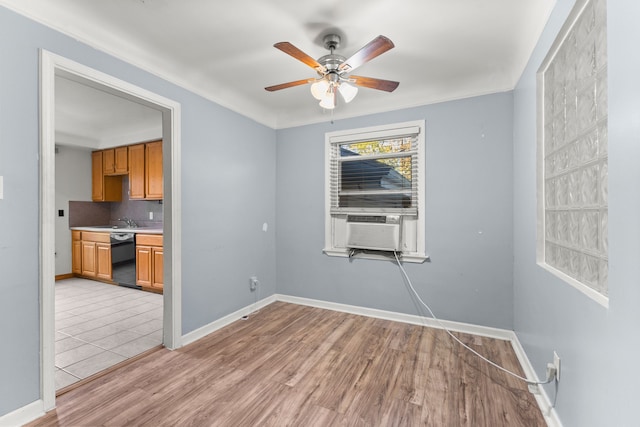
(375, 172)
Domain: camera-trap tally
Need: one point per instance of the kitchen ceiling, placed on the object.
(444, 49)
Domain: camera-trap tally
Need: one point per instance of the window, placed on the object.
(572, 153)
(376, 171)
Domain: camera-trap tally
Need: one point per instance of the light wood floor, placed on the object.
(291, 365)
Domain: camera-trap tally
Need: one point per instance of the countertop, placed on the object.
(110, 229)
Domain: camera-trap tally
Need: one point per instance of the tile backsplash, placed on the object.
(83, 214)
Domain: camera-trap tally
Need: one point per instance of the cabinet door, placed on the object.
(143, 266)
(136, 171)
(157, 258)
(153, 170)
(103, 261)
(89, 259)
(104, 188)
(121, 160)
(108, 161)
(97, 177)
(76, 257)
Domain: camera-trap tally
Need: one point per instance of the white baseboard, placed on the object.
(541, 396)
(226, 320)
(467, 328)
(23, 415)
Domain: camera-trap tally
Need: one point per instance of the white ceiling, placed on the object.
(223, 50)
(89, 117)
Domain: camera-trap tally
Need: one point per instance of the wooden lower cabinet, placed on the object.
(103, 261)
(89, 259)
(157, 261)
(91, 254)
(149, 262)
(76, 252)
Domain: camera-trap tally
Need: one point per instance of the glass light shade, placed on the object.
(329, 101)
(347, 91)
(319, 89)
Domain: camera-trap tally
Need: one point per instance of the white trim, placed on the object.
(47, 230)
(542, 398)
(406, 257)
(50, 64)
(467, 328)
(23, 415)
(564, 32)
(226, 320)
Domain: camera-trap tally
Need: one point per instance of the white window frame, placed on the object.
(413, 227)
(570, 24)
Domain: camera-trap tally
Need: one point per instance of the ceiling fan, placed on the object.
(333, 70)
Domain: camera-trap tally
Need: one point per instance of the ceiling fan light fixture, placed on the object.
(319, 88)
(333, 70)
(328, 102)
(347, 91)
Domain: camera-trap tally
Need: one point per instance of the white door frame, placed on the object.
(50, 65)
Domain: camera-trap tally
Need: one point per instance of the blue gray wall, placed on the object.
(468, 217)
(228, 192)
(599, 347)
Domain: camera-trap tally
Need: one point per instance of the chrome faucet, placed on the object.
(130, 223)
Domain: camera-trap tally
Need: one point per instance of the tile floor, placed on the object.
(99, 325)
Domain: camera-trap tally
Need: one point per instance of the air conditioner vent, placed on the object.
(374, 232)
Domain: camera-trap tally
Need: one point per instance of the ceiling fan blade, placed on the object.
(375, 47)
(290, 49)
(290, 84)
(380, 84)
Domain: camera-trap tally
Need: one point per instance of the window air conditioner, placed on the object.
(377, 232)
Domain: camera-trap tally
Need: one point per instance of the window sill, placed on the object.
(386, 256)
(590, 292)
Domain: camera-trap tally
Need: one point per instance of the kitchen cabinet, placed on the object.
(149, 262)
(145, 171)
(136, 171)
(76, 252)
(91, 254)
(115, 161)
(153, 170)
(104, 188)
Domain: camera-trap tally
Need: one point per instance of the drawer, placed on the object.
(149, 239)
(92, 236)
(76, 235)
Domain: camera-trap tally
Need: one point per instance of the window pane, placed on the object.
(382, 174)
(385, 146)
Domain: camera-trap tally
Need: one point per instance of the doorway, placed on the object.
(52, 65)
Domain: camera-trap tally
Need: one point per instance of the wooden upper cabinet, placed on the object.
(104, 188)
(108, 161)
(153, 170)
(121, 155)
(143, 163)
(136, 171)
(97, 176)
(115, 161)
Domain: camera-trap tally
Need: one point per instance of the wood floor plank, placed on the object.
(291, 365)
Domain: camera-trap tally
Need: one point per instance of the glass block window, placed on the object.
(573, 152)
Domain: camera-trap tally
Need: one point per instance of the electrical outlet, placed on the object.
(253, 283)
(556, 363)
